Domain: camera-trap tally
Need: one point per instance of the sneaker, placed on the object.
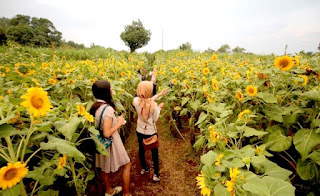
(143, 171)
(156, 178)
(116, 190)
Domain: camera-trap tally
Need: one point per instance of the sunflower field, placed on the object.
(255, 119)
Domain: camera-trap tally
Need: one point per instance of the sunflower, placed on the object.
(285, 63)
(81, 110)
(214, 136)
(215, 84)
(174, 81)
(89, 117)
(251, 90)
(305, 79)
(62, 161)
(201, 179)
(11, 174)
(214, 57)
(218, 162)
(52, 81)
(239, 96)
(71, 81)
(236, 76)
(37, 101)
(206, 71)
(123, 74)
(240, 116)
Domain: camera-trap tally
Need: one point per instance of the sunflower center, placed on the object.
(11, 173)
(251, 90)
(37, 102)
(284, 63)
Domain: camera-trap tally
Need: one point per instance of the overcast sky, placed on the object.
(259, 26)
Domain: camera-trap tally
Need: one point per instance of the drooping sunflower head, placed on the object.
(206, 71)
(37, 101)
(251, 90)
(284, 63)
(11, 174)
(62, 161)
(239, 96)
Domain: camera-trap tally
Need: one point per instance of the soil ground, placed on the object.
(178, 165)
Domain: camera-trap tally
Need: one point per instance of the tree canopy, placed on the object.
(135, 36)
(29, 31)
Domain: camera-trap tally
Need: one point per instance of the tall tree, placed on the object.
(185, 46)
(32, 31)
(135, 35)
(4, 25)
(224, 48)
(238, 50)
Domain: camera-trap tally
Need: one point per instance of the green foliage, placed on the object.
(135, 36)
(185, 46)
(238, 49)
(29, 31)
(224, 49)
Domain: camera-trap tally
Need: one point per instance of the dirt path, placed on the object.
(178, 166)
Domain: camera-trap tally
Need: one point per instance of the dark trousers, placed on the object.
(154, 152)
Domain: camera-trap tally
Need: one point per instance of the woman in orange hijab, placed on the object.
(148, 114)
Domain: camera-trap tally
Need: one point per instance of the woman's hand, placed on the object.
(161, 105)
(120, 120)
(163, 92)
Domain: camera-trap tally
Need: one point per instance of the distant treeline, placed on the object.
(34, 32)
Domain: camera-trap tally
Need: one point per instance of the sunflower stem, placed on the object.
(5, 157)
(74, 175)
(19, 147)
(27, 139)
(10, 149)
(34, 188)
(35, 152)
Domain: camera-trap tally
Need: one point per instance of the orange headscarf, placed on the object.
(144, 91)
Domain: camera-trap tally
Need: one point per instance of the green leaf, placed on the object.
(49, 192)
(268, 97)
(199, 143)
(305, 140)
(306, 169)
(99, 146)
(315, 156)
(273, 170)
(62, 146)
(184, 100)
(279, 187)
(257, 186)
(315, 123)
(274, 113)
(7, 118)
(209, 158)
(312, 95)
(221, 190)
(248, 132)
(276, 140)
(195, 105)
(68, 128)
(7, 130)
(13, 191)
(202, 117)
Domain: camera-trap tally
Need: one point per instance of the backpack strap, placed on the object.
(101, 118)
